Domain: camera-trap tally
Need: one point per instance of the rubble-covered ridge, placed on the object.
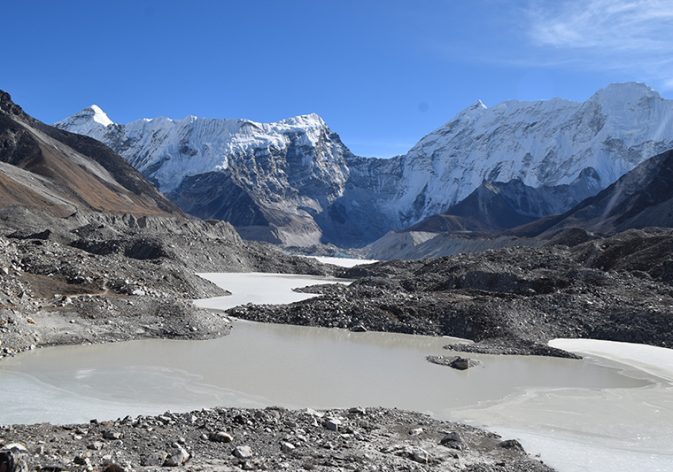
(510, 301)
(56, 294)
(105, 279)
(270, 439)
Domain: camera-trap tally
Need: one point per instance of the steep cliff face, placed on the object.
(295, 182)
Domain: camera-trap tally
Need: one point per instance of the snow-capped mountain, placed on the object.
(546, 142)
(270, 180)
(295, 182)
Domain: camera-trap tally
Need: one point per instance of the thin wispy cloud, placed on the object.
(631, 36)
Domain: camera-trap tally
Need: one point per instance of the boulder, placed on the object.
(12, 458)
(453, 440)
(178, 457)
(332, 424)
(242, 452)
(455, 362)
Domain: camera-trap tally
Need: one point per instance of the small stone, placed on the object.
(287, 447)
(112, 468)
(415, 431)
(221, 437)
(111, 435)
(82, 460)
(95, 446)
(242, 452)
(332, 424)
(455, 362)
(156, 459)
(419, 455)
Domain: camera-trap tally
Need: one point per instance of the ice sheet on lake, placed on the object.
(651, 359)
(260, 288)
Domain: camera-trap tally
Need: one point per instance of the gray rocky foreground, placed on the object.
(270, 439)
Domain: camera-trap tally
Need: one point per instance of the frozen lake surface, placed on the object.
(608, 412)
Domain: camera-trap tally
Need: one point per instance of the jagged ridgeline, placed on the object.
(295, 182)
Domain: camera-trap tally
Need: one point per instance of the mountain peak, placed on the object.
(7, 105)
(90, 121)
(474, 109)
(308, 120)
(98, 115)
(624, 92)
(478, 105)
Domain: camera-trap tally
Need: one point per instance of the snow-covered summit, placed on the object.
(168, 150)
(544, 142)
(99, 116)
(624, 92)
(90, 121)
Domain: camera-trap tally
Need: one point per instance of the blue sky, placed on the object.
(381, 73)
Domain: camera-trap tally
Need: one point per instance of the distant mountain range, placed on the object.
(641, 198)
(61, 173)
(294, 182)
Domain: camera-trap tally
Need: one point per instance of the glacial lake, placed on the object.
(596, 414)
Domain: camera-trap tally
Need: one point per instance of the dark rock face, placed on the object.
(217, 195)
(43, 235)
